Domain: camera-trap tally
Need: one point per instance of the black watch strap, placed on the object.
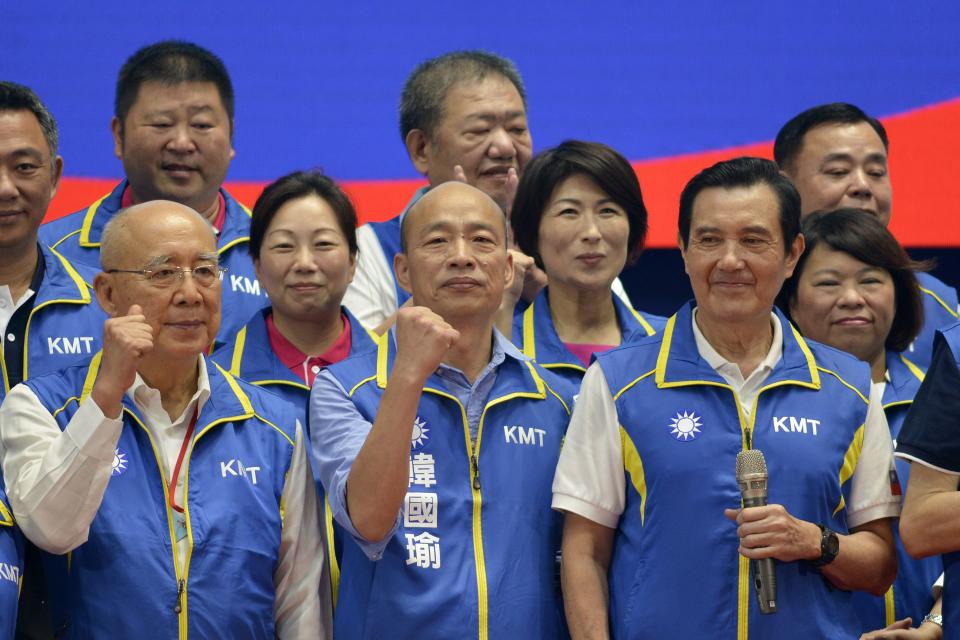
(829, 546)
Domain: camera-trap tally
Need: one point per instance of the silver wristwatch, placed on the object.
(935, 618)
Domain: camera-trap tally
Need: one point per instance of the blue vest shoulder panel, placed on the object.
(939, 311)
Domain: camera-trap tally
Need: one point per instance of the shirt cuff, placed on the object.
(94, 434)
(564, 502)
(373, 549)
(874, 512)
(912, 455)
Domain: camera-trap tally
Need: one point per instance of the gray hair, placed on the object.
(424, 92)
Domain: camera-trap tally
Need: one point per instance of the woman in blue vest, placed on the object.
(304, 248)
(855, 289)
(579, 213)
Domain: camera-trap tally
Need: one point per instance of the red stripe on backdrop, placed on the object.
(926, 189)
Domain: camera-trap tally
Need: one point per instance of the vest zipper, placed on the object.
(476, 471)
(177, 609)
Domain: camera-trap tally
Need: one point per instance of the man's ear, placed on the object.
(106, 293)
(683, 252)
(418, 148)
(116, 127)
(402, 270)
(509, 275)
(793, 255)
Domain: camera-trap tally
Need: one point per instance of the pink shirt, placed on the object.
(126, 200)
(583, 351)
(301, 365)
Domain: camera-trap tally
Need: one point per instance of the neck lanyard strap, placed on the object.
(187, 438)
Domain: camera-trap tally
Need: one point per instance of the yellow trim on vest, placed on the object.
(289, 383)
(57, 243)
(939, 300)
(743, 597)
(914, 369)
(562, 365)
(241, 396)
(633, 382)
(661, 368)
(529, 340)
(845, 383)
(643, 321)
(91, 377)
(374, 336)
(238, 345)
(178, 574)
(478, 556)
(88, 222)
(557, 396)
(331, 551)
(360, 384)
(383, 349)
(6, 518)
(634, 466)
(850, 460)
(3, 370)
(69, 400)
(889, 609)
(232, 243)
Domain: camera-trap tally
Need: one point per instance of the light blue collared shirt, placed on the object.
(338, 430)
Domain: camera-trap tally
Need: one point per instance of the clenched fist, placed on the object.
(126, 339)
(423, 339)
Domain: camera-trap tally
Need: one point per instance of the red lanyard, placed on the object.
(187, 437)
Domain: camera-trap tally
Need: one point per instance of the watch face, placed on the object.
(831, 542)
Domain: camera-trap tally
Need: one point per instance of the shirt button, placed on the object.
(3, 303)
(11, 337)
(315, 369)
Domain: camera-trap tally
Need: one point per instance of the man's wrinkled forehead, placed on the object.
(450, 204)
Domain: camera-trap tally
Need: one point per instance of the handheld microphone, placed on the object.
(752, 478)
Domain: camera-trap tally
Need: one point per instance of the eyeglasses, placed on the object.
(205, 275)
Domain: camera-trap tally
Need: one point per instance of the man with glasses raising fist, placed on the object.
(169, 486)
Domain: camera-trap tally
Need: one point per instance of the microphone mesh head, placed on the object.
(751, 461)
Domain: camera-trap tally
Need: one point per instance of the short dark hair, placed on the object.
(170, 62)
(610, 170)
(861, 235)
(744, 172)
(789, 140)
(424, 92)
(300, 184)
(16, 97)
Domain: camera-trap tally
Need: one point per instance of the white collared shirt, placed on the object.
(746, 389)
(9, 306)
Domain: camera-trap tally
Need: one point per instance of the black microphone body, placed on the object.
(752, 478)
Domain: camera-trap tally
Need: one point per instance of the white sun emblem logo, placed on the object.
(686, 426)
(119, 462)
(420, 431)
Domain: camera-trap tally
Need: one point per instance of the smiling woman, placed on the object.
(855, 289)
(304, 250)
(580, 214)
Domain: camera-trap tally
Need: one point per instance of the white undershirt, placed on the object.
(9, 306)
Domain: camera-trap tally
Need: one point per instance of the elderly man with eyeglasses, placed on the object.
(170, 487)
